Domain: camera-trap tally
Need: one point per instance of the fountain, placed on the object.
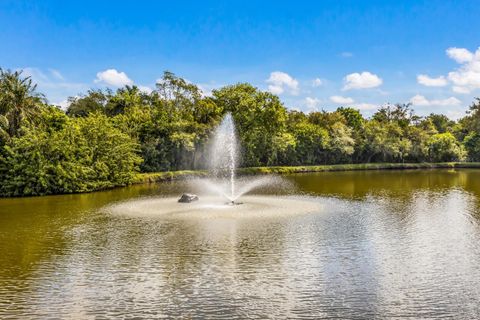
(223, 162)
(220, 194)
(224, 157)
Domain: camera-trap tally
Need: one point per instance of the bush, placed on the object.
(85, 154)
(443, 147)
(472, 144)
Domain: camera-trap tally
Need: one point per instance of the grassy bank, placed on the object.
(173, 175)
(151, 177)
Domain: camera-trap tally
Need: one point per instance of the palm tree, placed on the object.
(19, 101)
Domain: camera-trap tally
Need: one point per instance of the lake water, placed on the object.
(383, 244)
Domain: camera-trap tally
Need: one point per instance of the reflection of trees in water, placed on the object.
(359, 184)
(412, 227)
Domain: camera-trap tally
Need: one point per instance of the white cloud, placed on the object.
(419, 100)
(62, 104)
(431, 82)
(452, 101)
(312, 103)
(280, 82)
(461, 55)
(362, 80)
(145, 89)
(35, 74)
(455, 114)
(114, 78)
(462, 90)
(341, 100)
(53, 84)
(56, 74)
(317, 82)
(346, 54)
(207, 88)
(366, 106)
(466, 78)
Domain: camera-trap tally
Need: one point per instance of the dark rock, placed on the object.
(188, 197)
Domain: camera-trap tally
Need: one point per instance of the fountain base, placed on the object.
(252, 207)
(233, 203)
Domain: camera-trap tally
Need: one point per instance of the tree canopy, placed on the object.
(105, 137)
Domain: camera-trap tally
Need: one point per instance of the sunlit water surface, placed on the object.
(372, 244)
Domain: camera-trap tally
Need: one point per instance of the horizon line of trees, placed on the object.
(105, 137)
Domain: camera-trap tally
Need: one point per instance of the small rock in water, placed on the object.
(188, 197)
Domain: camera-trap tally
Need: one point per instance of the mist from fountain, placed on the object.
(224, 157)
(223, 162)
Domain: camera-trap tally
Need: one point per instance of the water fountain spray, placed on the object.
(224, 155)
(223, 161)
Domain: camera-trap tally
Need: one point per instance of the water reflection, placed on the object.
(386, 244)
(359, 184)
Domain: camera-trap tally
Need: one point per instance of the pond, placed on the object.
(379, 244)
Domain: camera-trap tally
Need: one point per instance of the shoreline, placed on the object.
(164, 176)
(154, 177)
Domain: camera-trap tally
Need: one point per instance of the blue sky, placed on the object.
(314, 54)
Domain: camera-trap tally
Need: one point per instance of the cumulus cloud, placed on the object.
(431, 82)
(366, 106)
(362, 80)
(465, 78)
(460, 89)
(312, 103)
(114, 78)
(62, 104)
(461, 55)
(145, 89)
(317, 82)
(280, 82)
(455, 114)
(341, 100)
(419, 100)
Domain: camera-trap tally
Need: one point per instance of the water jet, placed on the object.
(223, 195)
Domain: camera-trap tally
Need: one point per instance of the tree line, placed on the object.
(105, 137)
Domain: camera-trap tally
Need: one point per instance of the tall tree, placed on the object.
(93, 101)
(441, 122)
(19, 101)
(261, 121)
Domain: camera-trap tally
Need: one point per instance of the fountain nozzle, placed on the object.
(233, 203)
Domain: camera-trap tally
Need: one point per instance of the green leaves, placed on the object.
(84, 154)
(19, 101)
(3, 129)
(443, 147)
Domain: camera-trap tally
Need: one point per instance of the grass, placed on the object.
(151, 177)
(174, 175)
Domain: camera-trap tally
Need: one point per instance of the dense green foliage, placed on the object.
(67, 155)
(104, 138)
